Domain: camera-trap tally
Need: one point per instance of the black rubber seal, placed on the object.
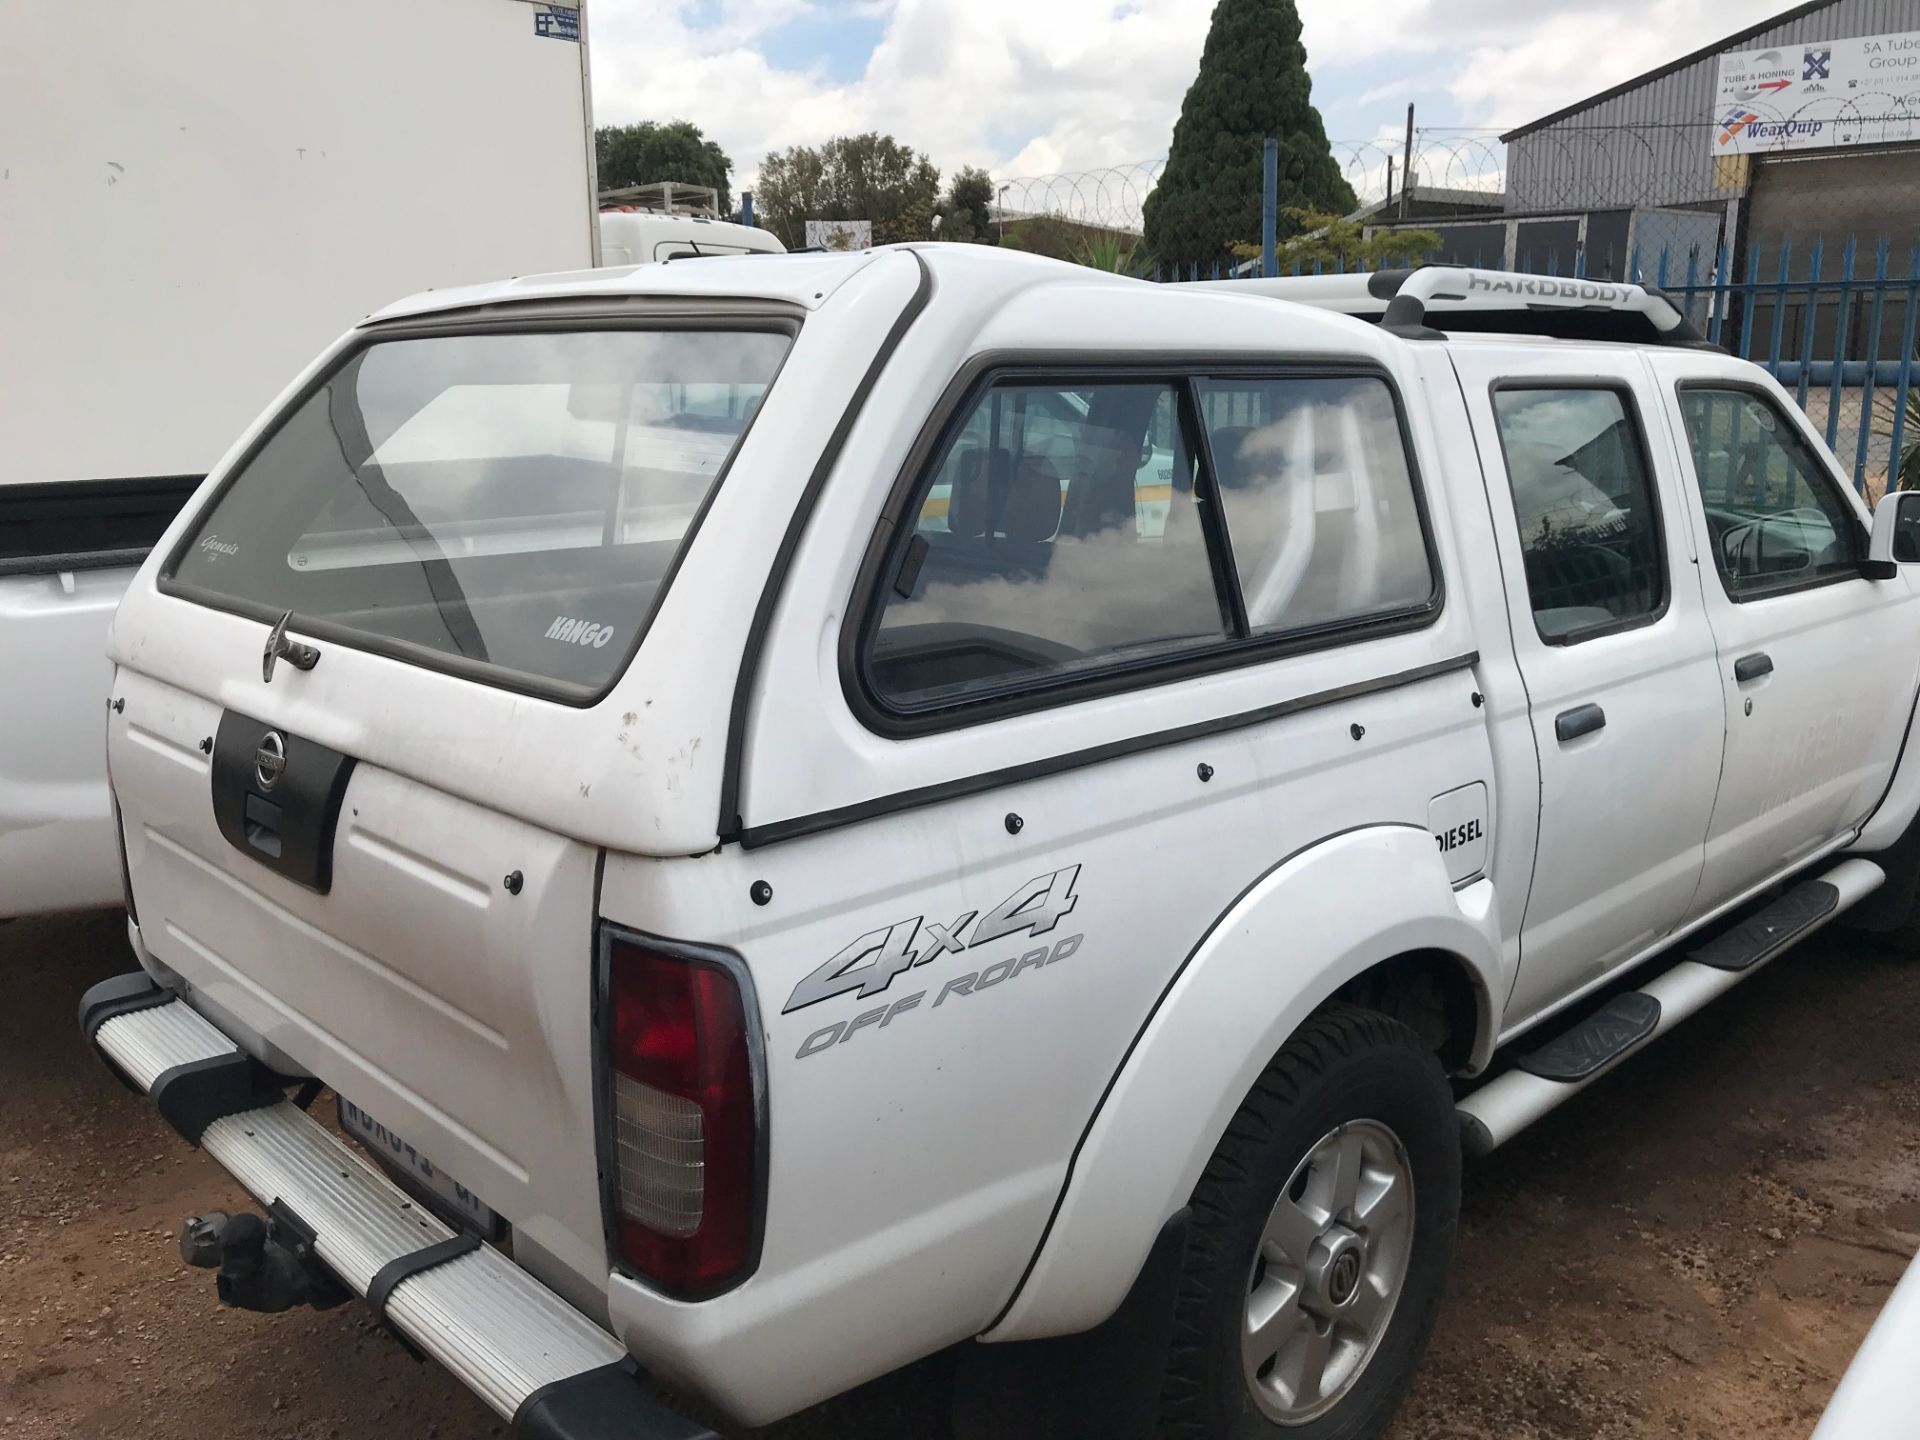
(122, 995)
(409, 1265)
(192, 1096)
(611, 1402)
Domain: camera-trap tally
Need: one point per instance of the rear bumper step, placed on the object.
(1548, 1077)
(532, 1357)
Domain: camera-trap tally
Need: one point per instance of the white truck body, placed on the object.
(1879, 1392)
(197, 196)
(644, 237)
(1010, 955)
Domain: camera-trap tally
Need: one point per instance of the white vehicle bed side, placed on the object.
(1363, 896)
(917, 1153)
(57, 847)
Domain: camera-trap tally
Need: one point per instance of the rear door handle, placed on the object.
(1581, 720)
(1752, 667)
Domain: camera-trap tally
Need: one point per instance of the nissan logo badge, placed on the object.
(270, 760)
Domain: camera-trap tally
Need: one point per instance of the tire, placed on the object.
(1351, 1086)
(1888, 920)
(1901, 942)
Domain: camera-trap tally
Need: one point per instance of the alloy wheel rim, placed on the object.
(1328, 1272)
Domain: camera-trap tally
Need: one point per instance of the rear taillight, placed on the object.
(686, 1140)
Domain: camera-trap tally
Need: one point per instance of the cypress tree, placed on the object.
(1252, 84)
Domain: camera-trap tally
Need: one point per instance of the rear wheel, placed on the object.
(1321, 1234)
(1902, 940)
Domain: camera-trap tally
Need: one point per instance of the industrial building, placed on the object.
(1801, 129)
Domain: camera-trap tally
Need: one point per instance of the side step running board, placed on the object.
(538, 1362)
(1557, 1071)
(1802, 909)
(1622, 1024)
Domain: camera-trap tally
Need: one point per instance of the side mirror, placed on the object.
(1896, 534)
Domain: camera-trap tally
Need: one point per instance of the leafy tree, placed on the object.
(957, 225)
(851, 177)
(1252, 84)
(965, 213)
(792, 189)
(646, 153)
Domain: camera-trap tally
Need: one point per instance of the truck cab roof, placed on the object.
(963, 280)
(1433, 303)
(806, 280)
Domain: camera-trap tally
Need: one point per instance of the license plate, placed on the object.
(418, 1175)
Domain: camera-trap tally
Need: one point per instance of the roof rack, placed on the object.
(665, 197)
(1430, 302)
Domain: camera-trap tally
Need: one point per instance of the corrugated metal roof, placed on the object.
(1648, 142)
(1706, 52)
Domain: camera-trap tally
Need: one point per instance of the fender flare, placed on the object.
(1362, 896)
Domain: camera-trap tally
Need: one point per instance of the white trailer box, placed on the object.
(196, 196)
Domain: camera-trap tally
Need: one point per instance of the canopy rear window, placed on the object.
(506, 506)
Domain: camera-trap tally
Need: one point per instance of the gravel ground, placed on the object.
(1693, 1248)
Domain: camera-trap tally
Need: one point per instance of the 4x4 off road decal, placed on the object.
(870, 963)
(1032, 910)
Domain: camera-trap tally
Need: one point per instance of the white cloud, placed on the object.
(1511, 73)
(1031, 87)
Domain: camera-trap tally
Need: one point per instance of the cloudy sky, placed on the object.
(1034, 87)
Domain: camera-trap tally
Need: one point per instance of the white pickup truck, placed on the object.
(836, 872)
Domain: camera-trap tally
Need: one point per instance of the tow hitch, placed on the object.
(267, 1264)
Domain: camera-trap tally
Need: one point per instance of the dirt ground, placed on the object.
(1694, 1248)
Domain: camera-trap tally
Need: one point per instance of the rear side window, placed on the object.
(1318, 500)
(1589, 524)
(1070, 531)
(1776, 515)
(1056, 534)
(505, 505)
